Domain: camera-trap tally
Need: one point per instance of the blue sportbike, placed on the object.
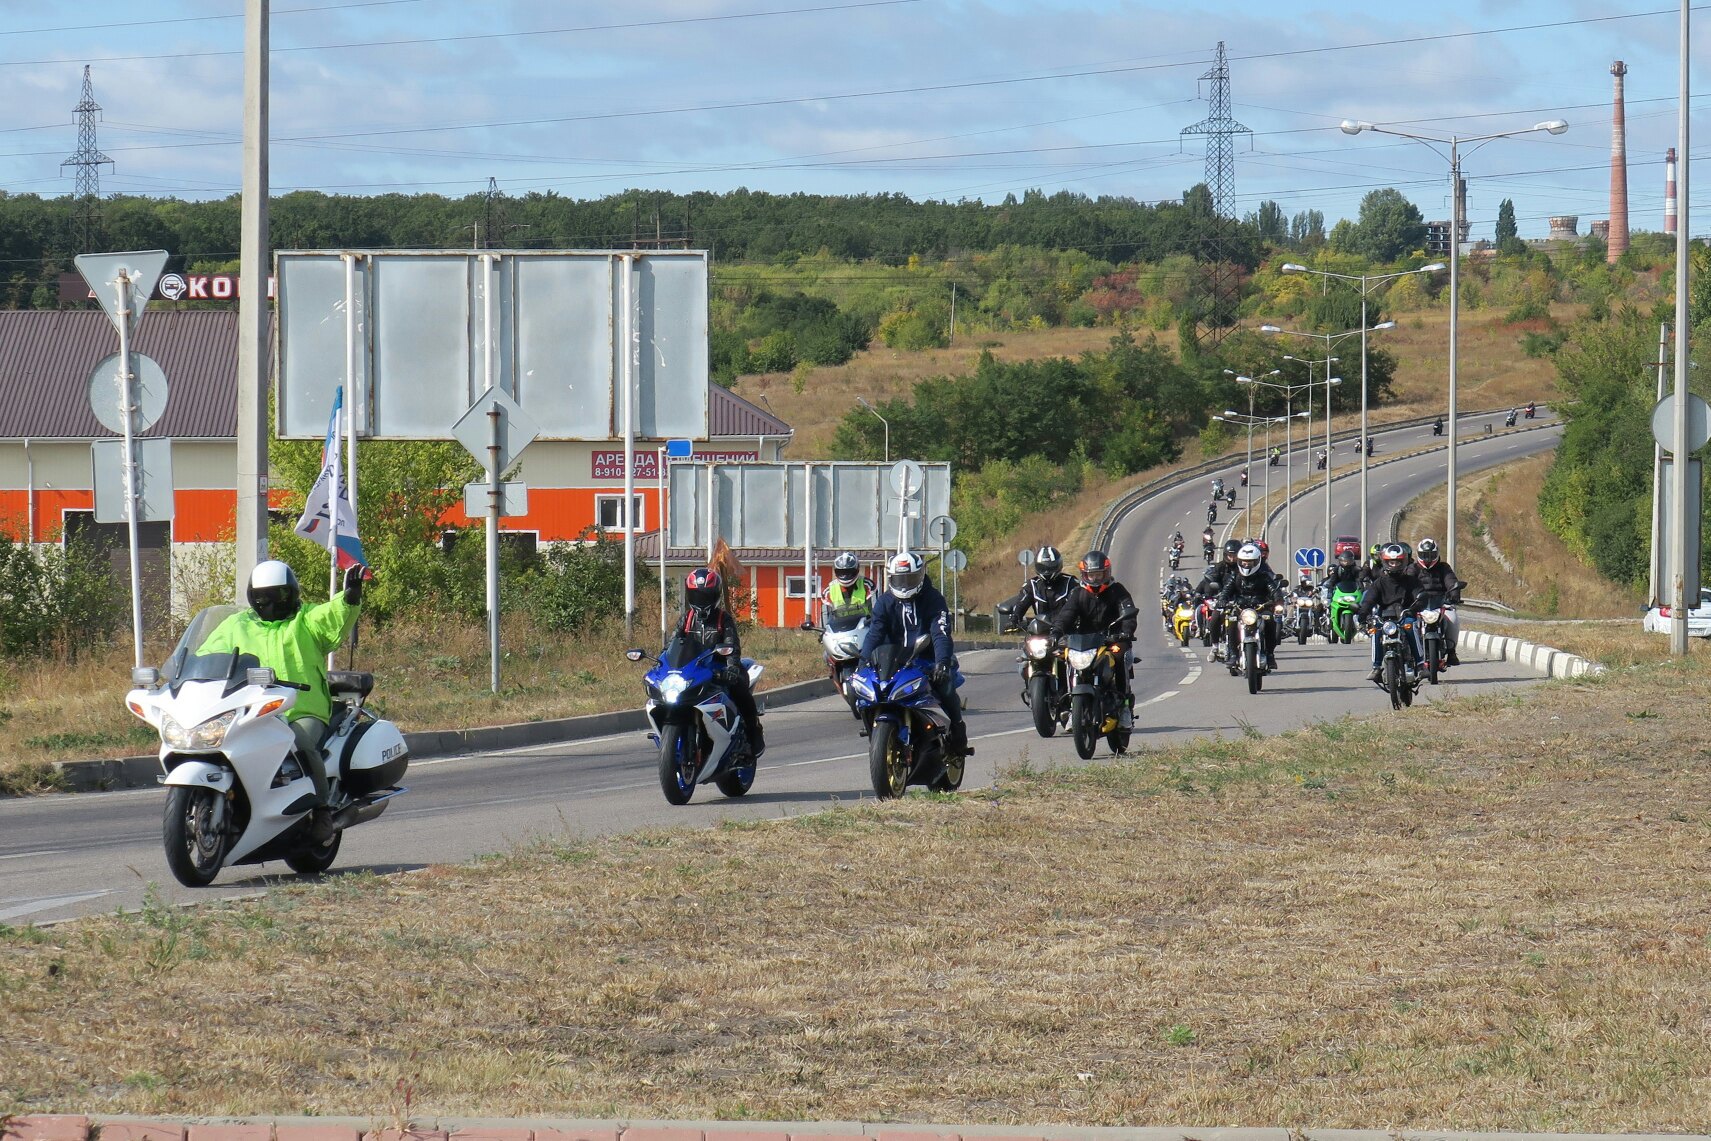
(701, 736)
(905, 728)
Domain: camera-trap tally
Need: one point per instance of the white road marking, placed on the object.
(22, 907)
(1169, 693)
(29, 855)
(1193, 676)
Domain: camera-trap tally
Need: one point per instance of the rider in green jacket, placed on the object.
(294, 643)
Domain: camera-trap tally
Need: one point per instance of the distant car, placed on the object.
(1658, 620)
(1346, 543)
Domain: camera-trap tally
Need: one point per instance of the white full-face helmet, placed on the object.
(1248, 559)
(905, 573)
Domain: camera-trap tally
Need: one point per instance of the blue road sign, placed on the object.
(679, 449)
(1310, 557)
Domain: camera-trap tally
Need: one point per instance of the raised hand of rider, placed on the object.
(355, 576)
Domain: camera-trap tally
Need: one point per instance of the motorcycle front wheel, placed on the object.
(951, 779)
(1303, 627)
(1040, 702)
(312, 859)
(1084, 725)
(887, 761)
(1393, 681)
(194, 850)
(677, 764)
(1250, 666)
(1434, 648)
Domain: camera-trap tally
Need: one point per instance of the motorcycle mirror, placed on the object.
(633, 655)
(145, 677)
(806, 625)
(260, 675)
(724, 651)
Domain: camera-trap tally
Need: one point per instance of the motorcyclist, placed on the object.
(1211, 583)
(1103, 604)
(1176, 542)
(1276, 455)
(1345, 572)
(850, 593)
(1207, 542)
(1320, 458)
(1043, 593)
(910, 607)
(706, 619)
(1438, 426)
(1251, 585)
(294, 644)
(1396, 588)
(1212, 512)
(1437, 577)
(1217, 487)
(1244, 477)
(1532, 410)
(1509, 420)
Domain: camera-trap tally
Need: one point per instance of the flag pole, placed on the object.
(333, 514)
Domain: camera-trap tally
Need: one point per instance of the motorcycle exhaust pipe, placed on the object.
(365, 809)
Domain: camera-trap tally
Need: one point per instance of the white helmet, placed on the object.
(1248, 559)
(905, 573)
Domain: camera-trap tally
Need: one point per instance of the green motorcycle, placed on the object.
(1345, 605)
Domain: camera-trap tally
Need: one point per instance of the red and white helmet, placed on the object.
(905, 573)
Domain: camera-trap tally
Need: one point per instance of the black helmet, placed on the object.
(846, 567)
(1095, 571)
(1231, 546)
(702, 589)
(1347, 558)
(1048, 560)
(273, 592)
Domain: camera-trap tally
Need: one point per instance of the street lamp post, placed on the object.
(1231, 416)
(1367, 283)
(862, 400)
(1289, 414)
(1355, 127)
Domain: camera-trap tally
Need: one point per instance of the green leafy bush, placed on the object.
(54, 600)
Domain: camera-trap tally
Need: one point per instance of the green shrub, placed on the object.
(574, 585)
(56, 600)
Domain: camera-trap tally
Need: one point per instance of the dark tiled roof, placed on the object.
(46, 356)
(730, 415)
(647, 550)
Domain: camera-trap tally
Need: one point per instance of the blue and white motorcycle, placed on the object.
(905, 728)
(700, 735)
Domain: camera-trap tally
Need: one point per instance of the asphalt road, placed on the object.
(66, 856)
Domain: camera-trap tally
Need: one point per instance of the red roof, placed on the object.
(729, 415)
(46, 357)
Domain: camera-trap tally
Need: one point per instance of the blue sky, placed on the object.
(929, 98)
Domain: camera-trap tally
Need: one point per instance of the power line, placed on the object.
(198, 19)
(88, 161)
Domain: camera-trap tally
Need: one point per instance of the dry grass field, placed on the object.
(1484, 914)
(427, 678)
(1538, 576)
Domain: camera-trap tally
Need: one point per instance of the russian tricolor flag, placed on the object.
(328, 518)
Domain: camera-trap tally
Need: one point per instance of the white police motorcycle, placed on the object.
(236, 790)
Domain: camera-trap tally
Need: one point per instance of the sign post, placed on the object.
(493, 430)
(908, 480)
(673, 450)
(122, 284)
(941, 529)
(958, 562)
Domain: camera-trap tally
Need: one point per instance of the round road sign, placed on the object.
(1025, 556)
(107, 394)
(913, 473)
(1698, 422)
(941, 529)
(956, 561)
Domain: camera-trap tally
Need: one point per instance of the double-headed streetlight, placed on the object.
(1289, 414)
(1454, 142)
(862, 400)
(1240, 379)
(1248, 419)
(1367, 283)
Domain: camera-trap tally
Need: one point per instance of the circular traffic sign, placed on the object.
(1698, 422)
(941, 529)
(908, 478)
(956, 561)
(1025, 556)
(107, 394)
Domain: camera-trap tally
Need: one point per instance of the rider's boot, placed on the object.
(1451, 658)
(956, 742)
(757, 740)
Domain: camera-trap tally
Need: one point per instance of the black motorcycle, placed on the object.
(1438, 427)
(1509, 420)
(1096, 692)
(1212, 512)
(1045, 680)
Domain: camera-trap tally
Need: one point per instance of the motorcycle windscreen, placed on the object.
(842, 622)
(201, 626)
(681, 651)
(887, 660)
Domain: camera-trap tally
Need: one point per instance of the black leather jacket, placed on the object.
(1214, 579)
(1256, 589)
(713, 628)
(1386, 592)
(1043, 598)
(1094, 612)
(1439, 580)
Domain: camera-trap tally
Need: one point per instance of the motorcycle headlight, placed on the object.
(861, 687)
(211, 734)
(1430, 617)
(1082, 659)
(1392, 630)
(671, 688)
(909, 689)
(1249, 617)
(1036, 647)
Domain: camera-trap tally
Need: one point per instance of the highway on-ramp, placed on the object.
(66, 856)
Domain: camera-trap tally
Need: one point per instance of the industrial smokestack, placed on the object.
(1618, 170)
(1669, 192)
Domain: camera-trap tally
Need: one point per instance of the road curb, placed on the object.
(113, 774)
(80, 1128)
(1547, 660)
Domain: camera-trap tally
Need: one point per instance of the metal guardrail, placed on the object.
(1134, 497)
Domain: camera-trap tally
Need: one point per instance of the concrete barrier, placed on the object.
(1546, 660)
